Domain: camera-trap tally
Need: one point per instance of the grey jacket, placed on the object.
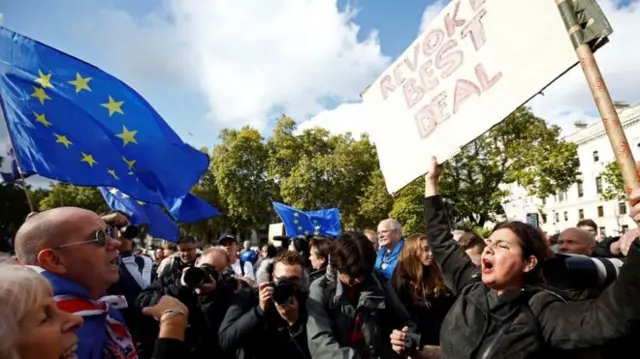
(332, 316)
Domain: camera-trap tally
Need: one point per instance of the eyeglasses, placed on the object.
(100, 238)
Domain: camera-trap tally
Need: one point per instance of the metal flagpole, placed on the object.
(601, 96)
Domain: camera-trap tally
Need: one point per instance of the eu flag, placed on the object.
(159, 224)
(74, 123)
(190, 208)
(324, 222)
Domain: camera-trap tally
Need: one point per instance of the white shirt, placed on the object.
(248, 269)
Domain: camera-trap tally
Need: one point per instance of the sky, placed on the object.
(206, 65)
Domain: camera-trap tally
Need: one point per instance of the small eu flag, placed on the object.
(159, 224)
(324, 222)
(74, 123)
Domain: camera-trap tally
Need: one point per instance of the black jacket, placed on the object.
(197, 335)
(532, 323)
(428, 313)
(249, 333)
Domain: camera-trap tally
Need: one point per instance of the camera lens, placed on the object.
(194, 277)
(129, 232)
(283, 291)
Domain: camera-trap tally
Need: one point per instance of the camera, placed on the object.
(284, 290)
(129, 232)
(194, 277)
(574, 271)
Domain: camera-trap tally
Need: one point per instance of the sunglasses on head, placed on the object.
(99, 237)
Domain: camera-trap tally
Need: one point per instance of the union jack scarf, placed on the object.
(117, 342)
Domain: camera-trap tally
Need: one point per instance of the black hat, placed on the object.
(227, 238)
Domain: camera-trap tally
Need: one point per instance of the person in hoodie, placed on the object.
(70, 247)
(271, 323)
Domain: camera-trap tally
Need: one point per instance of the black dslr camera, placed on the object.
(194, 277)
(284, 290)
(129, 232)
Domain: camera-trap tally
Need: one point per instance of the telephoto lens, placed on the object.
(194, 277)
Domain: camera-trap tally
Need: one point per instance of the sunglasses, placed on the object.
(99, 237)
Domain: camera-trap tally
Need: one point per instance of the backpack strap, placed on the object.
(242, 266)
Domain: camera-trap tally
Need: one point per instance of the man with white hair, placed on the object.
(391, 243)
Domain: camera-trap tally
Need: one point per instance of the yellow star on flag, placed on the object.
(63, 140)
(38, 92)
(296, 214)
(81, 83)
(113, 106)
(88, 159)
(44, 80)
(127, 136)
(129, 163)
(141, 203)
(306, 233)
(113, 173)
(295, 221)
(125, 196)
(299, 228)
(113, 191)
(42, 119)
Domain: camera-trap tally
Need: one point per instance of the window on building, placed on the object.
(580, 189)
(557, 217)
(600, 211)
(602, 230)
(622, 208)
(596, 157)
(566, 216)
(581, 214)
(599, 184)
(625, 228)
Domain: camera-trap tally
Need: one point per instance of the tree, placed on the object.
(614, 184)
(240, 166)
(375, 203)
(523, 149)
(316, 169)
(14, 206)
(67, 195)
(408, 208)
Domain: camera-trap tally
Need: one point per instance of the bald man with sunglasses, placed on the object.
(71, 248)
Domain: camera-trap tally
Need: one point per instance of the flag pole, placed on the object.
(601, 96)
(22, 179)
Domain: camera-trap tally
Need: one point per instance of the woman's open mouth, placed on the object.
(114, 262)
(487, 266)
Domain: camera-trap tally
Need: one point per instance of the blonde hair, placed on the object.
(21, 290)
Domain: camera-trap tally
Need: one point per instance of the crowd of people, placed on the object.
(77, 288)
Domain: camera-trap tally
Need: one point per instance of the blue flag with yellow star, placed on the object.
(158, 223)
(73, 122)
(324, 222)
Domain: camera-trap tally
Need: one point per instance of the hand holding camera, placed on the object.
(265, 293)
(201, 279)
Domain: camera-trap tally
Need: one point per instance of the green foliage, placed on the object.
(408, 208)
(613, 183)
(375, 203)
(239, 165)
(524, 150)
(66, 195)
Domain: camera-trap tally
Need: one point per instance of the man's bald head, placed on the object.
(576, 241)
(47, 230)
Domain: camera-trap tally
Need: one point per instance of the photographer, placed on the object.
(272, 323)
(135, 270)
(204, 290)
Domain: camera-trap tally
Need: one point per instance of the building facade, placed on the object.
(582, 200)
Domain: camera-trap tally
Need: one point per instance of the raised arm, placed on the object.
(456, 266)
